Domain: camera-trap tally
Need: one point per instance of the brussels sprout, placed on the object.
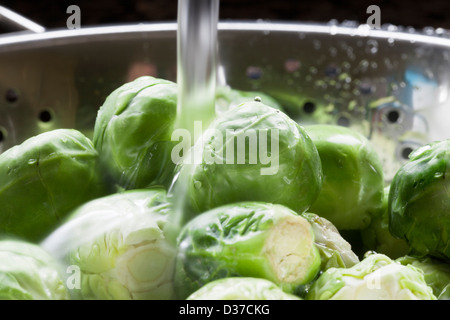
(353, 180)
(436, 274)
(133, 130)
(334, 250)
(419, 201)
(43, 179)
(303, 109)
(28, 272)
(241, 288)
(376, 277)
(228, 98)
(377, 237)
(247, 239)
(250, 153)
(122, 246)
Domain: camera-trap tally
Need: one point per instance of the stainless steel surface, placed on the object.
(392, 86)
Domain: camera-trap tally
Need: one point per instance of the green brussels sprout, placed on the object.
(120, 247)
(28, 272)
(376, 277)
(436, 273)
(241, 288)
(247, 239)
(228, 98)
(377, 236)
(335, 251)
(419, 201)
(43, 179)
(304, 109)
(253, 152)
(132, 133)
(353, 179)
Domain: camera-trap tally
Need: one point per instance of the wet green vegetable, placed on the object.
(377, 236)
(228, 98)
(43, 179)
(249, 239)
(122, 247)
(376, 277)
(419, 201)
(241, 288)
(253, 207)
(28, 272)
(436, 273)
(335, 251)
(353, 179)
(133, 132)
(253, 152)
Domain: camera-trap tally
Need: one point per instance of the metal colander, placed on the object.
(392, 85)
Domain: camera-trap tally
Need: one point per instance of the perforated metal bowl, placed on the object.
(391, 85)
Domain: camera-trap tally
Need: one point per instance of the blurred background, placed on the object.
(416, 14)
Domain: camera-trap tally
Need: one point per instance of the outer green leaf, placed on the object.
(228, 98)
(353, 183)
(28, 272)
(43, 179)
(419, 201)
(122, 245)
(436, 274)
(376, 277)
(133, 133)
(377, 236)
(227, 173)
(335, 251)
(241, 288)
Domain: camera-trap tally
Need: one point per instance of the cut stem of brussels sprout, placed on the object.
(288, 248)
(250, 239)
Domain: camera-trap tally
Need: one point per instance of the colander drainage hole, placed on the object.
(406, 152)
(309, 107)
(393, 116)
(45, 116)
(343, 121)
(11, 95)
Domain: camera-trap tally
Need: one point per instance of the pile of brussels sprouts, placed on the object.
(306, 217)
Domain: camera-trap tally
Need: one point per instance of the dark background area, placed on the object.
(407, 13)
